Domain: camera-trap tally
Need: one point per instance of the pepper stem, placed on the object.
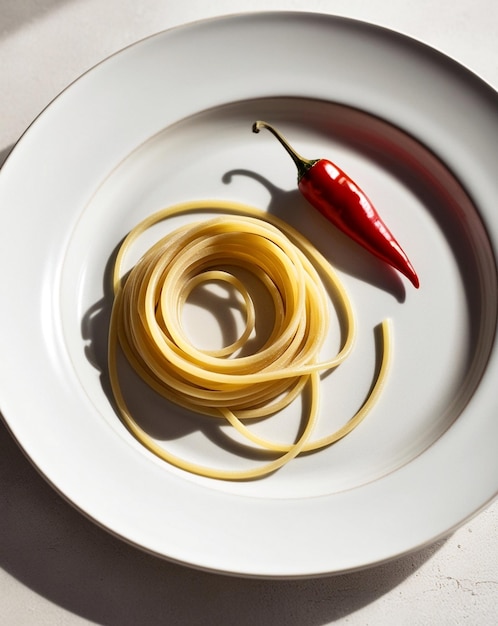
(302, 164)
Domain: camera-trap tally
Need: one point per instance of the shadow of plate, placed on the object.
(55, 551)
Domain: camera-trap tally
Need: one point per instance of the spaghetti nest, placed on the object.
(146, 323)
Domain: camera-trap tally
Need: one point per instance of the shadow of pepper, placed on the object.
(341, 252)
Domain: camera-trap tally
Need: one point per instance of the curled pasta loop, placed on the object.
(146, 323)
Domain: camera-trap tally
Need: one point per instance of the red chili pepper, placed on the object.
(343, 203)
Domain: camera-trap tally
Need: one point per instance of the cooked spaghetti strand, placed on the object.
(146, 322)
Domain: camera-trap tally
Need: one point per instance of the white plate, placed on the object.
(166, 120)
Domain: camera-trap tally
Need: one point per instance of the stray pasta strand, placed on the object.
(146, 323)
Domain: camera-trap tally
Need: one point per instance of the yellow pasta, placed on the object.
(146, 323)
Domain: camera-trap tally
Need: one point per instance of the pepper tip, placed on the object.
(412, 277)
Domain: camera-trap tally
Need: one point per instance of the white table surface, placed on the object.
(56, 567)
